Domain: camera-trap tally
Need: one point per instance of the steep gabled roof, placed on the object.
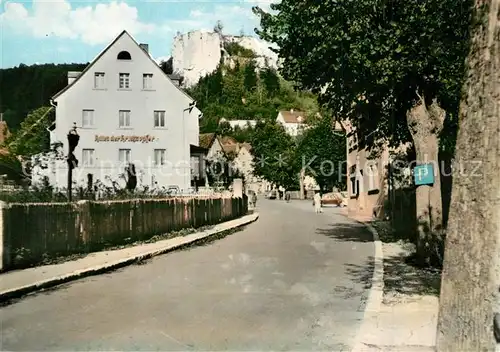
(124, 32)
(227, 140)
(230, 148)
(293, 116)
(206, 140)
(4, 132)
(246, 146)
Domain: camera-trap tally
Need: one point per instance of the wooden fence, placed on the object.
(32, 232)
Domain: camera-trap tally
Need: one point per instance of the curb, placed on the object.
(190, 240)
(376, 293)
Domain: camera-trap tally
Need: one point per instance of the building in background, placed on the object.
(126, 111)
(379, 181)
(241, 159)
(211, 142)
(242, 124)
(293, 121)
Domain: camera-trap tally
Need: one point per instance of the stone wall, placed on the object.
(32, 232)
(195, 54)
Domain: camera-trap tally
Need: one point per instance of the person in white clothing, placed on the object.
(317, 203)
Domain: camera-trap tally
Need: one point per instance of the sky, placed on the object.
(75, 31)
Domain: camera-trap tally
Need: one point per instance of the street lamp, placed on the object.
(189, 109)
(73, 139)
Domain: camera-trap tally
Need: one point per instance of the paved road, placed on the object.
(290, 281)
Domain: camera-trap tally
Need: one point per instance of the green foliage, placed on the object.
(241, 134)
(270, 81)
(245, 93)
(250, 78)
(12, 167)
(224, 129)
(274, 155)
(25, 88)
(235, 49)
(323, 152)
(32, 136)
(386, 51)
(218, 27)
(167, 66)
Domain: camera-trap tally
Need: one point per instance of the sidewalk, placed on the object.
(20, 282)
(405, 318)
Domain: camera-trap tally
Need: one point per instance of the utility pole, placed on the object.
(73, 139)
(189, 109)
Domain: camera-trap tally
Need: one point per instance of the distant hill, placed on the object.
(25, 88)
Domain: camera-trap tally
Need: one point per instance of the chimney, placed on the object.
(72, 75)
(144, 47)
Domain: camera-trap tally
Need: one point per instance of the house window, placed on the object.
(124, 155)
(354, 190)
(124, 118)
(124, 80)
(147, 81)
(355, 184)
(87, 118)
(99, 80)
(195, 166)
(160, 157)
(124, 55)
(372, 178)
(352, 141)
(88, 157)
(159, 117)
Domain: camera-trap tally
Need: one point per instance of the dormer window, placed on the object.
(124, 55)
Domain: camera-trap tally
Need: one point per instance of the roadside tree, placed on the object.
(393, 68)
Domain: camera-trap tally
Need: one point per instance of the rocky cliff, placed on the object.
(196, 54)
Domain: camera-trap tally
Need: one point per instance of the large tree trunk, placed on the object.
(302, 176)
(425, 122)
(470, 292)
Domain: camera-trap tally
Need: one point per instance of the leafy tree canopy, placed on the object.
(247, 93)
(322, 152)
(378, 54)
(274, 155)
(32, 136)
(235, 49)
(25, 88)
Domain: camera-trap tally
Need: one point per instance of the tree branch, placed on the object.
(437, 115)
(421, 98)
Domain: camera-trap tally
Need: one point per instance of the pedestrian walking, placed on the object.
(317, 203)
(254, 199)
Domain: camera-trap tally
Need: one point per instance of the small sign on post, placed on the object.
(423, 174)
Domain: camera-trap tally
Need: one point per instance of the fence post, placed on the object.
(5, 250)
(133, 207)
(84, 222)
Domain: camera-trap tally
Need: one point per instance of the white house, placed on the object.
(211, 142)
(126, 110)
(242, 124)
(293, 121)
(244, 162)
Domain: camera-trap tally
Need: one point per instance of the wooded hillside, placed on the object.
(25, 88)
(245, 92)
